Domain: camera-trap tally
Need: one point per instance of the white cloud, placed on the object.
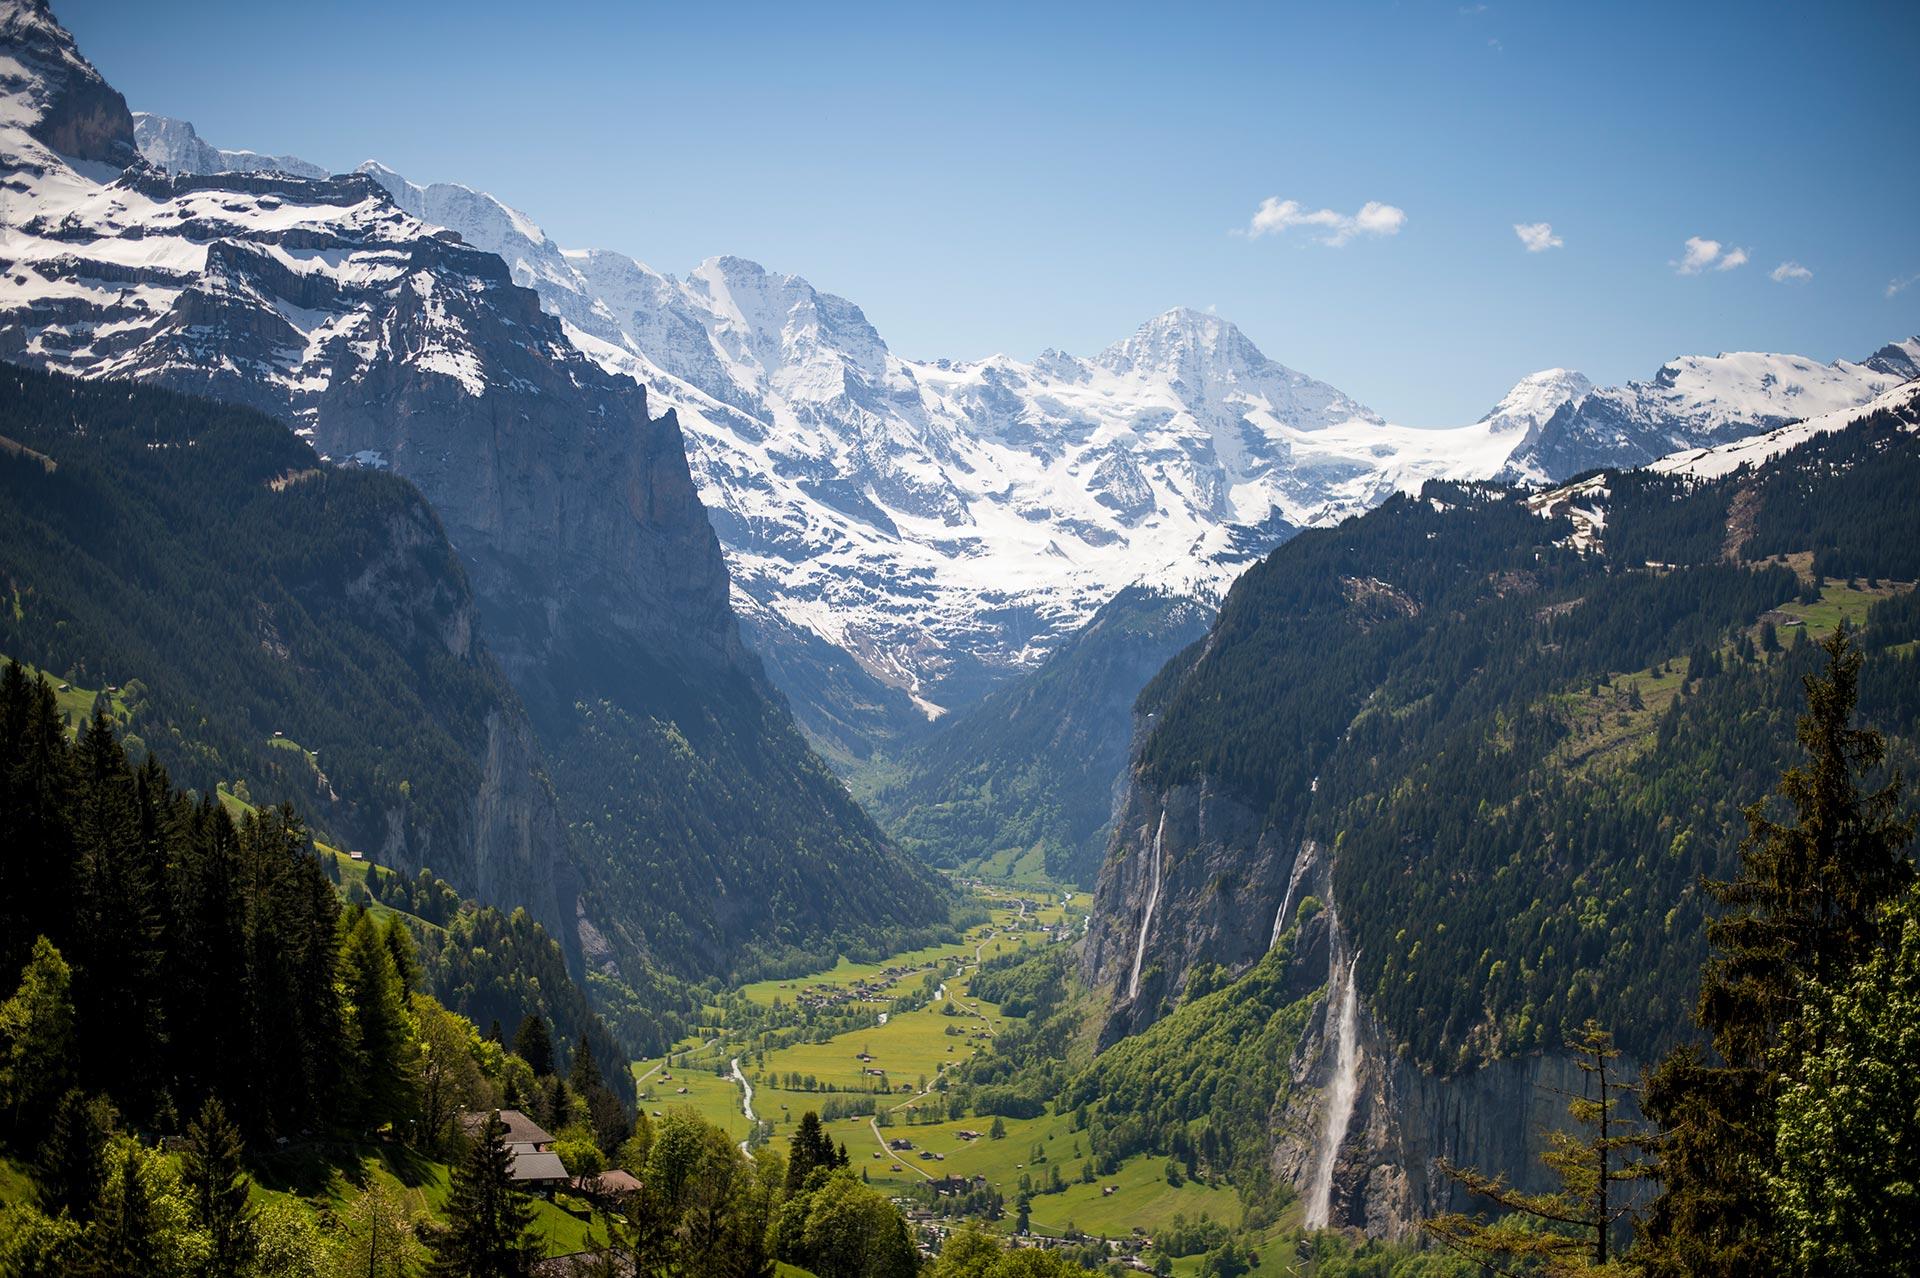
(1703, 254)
(1276, 215)
(1895, 286)
(1790, 273)
(1537, 236)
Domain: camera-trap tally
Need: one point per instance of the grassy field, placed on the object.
(1840, 602)
(560, 1232)
(1609, 728)
(913, 1048)
(75, 703)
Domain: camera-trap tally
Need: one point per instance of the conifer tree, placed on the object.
(212, 1165)
(811, 1148)
(406, 955)
(382, 1032)
(123, 1236)
(1803, 908)
(1570, 1230)
(534, 1045)
(36, 851)
(487, 1216)
(585, 1077)
(72, 1163)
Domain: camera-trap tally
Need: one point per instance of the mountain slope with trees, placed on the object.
(1027, 778)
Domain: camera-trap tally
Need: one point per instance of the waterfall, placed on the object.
(1340, 1030)
(1302, 861)
(1146, 920)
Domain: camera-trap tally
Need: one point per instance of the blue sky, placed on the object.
(983, 178)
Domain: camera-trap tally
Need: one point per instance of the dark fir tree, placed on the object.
(1804, 907)
(811, 1148)
(487, 1216)
(381, 1034)
(534, 1044)
(211, 1167)
(123, 1237)
(72, 1163)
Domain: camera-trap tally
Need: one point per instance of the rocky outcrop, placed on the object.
(1386, 1175)
(64, 102)
(1229, 890)
(1223, 877)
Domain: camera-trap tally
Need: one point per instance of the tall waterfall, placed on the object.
(1302, 860)
(1146, 921)
(1341, 1031)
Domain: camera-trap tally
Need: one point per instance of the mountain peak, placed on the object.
(176, 146)
(1185, 343)
(1900, 359)
(1535, 398)
(54, 94)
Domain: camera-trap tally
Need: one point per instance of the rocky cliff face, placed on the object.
(1222, 879)
(1228, 891)
(1385, 1177)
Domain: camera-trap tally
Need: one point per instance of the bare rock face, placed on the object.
(1228, 888)
(1222, 879)
(78, 114)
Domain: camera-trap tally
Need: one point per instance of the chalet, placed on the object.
(535, 1165)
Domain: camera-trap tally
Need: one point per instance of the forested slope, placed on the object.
(1523, 754)
(1026, 779)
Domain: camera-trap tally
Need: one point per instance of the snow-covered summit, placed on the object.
(1535, 398)
(177, 147)
(1694, 401)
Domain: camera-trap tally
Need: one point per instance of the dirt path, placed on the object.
(897, 1157)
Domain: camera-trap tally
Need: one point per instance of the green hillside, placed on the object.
(1021, 786)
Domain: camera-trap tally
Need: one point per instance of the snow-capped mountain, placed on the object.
(907, 532)
(1699, 401)
(1535, 398)
(176, 146)
(1756, 450)
(902, 533)
(601, 588)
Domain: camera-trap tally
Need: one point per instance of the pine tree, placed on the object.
(72, 1163)
(585, 1077)
(211, 1165)
(811, 1148)
(36, 785)
(382, 1029)
(487, 1216)
(1803, 908)
(1569, 1231)
(406, 955)
(534, 1045)
(122, 1239)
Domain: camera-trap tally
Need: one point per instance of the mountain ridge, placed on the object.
(905, 534)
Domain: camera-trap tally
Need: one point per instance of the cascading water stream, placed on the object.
(1146, 921)
(1301, 861)
(1343, 1087)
